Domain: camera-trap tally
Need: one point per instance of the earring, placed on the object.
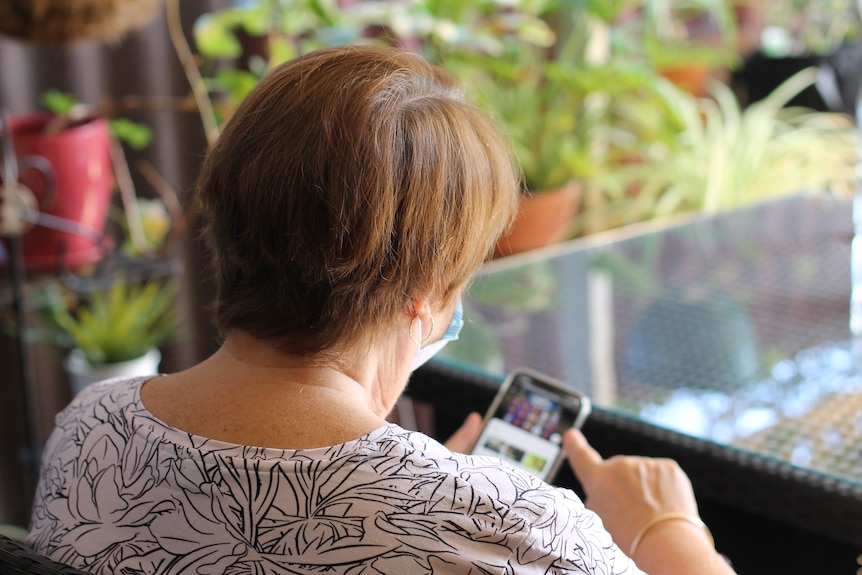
(421, 339)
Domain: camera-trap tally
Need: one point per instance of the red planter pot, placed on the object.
(78, 189)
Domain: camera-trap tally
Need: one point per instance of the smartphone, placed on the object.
(524, 425)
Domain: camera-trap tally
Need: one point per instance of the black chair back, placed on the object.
(16, 558)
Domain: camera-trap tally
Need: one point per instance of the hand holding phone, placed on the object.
(524, 425)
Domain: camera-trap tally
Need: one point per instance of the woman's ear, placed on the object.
(421, 309)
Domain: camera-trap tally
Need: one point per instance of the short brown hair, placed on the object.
(350, 181)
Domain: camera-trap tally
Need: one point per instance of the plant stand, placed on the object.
(15, 213)
(32, 453)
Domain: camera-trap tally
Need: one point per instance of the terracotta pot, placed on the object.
(73, 183)
(690, 77)
(543, 218)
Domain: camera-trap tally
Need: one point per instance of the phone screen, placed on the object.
(526, 423)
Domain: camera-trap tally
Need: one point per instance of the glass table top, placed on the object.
(732, 328)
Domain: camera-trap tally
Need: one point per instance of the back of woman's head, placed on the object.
(349, 182)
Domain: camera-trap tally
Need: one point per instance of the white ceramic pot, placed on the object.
(81, 373)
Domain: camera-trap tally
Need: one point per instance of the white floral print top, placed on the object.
(122, 492)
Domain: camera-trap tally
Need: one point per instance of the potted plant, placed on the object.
(66, 158)
(553, 84)
(65, 169)
(114, 331)
(714, 155)
(686, 41)
(544, 70)
(237, 44)
(530, 95)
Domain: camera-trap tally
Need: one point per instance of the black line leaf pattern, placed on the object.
(121, 492)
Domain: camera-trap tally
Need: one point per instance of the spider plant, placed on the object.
(719, 156)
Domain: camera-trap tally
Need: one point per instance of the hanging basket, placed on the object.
(65, 21)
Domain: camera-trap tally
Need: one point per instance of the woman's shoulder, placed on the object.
(484, 476)
(103, 397)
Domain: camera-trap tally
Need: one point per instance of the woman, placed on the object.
(347, 204)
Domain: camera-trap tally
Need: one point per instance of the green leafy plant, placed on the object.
(526, 62)
(69, 110)
(794, 27)
(238, 44)
(552, 83)
(60, 103)
(672, 33)
(155, 226)
(557, 114)
(553, 73)
(718, 156)
(117, 324)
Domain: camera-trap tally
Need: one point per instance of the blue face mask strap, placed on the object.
(457, 322)
(423, 354)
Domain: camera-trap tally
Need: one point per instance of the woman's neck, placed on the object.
(251, 393)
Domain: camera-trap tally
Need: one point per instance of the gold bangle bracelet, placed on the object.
(693, 519)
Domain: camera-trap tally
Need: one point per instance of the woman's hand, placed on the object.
(629, 492)
(463, 440)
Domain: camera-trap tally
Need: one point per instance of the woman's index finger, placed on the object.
(582, 457)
